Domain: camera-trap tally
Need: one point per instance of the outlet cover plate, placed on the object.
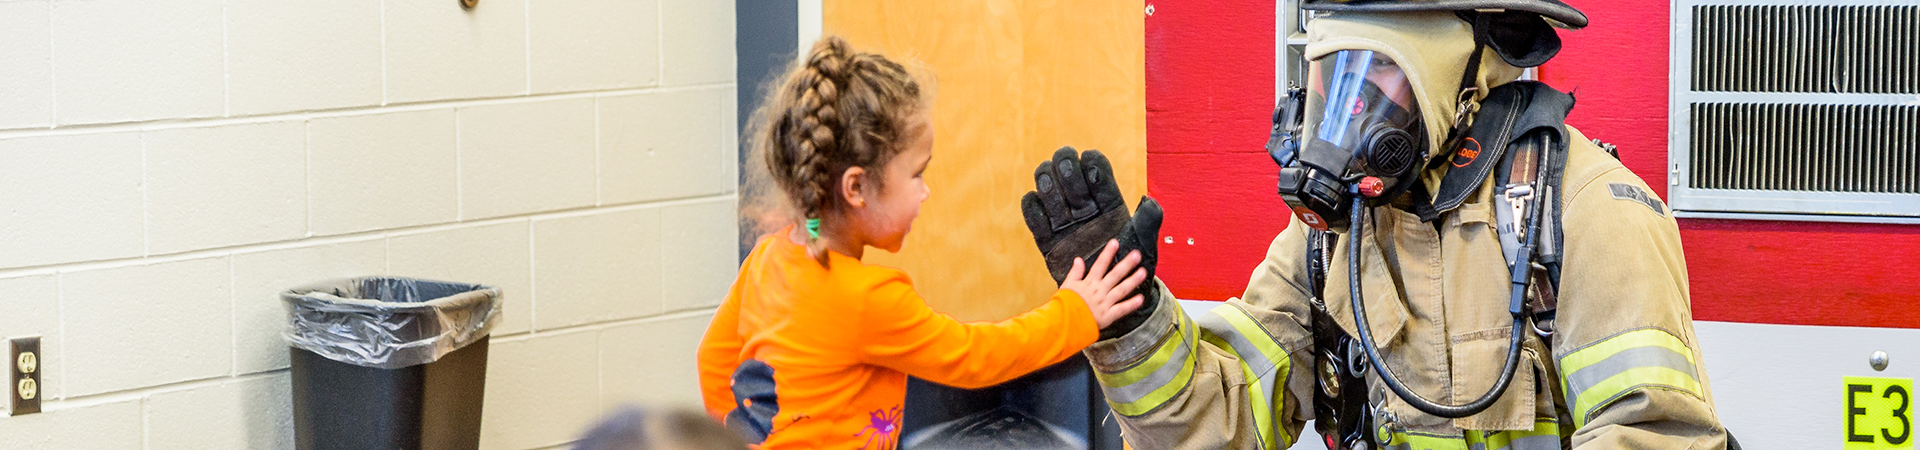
(24, 386)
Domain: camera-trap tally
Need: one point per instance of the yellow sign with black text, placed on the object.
(1879, 413)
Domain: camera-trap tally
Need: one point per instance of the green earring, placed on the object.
(813, 228)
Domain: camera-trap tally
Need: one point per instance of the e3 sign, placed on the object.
(1879, 413)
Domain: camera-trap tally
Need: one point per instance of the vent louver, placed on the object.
(1839, 49)
(1784, 147)
(1796, 110)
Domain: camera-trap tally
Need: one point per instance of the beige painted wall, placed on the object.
(1017, 79)
(167, 167)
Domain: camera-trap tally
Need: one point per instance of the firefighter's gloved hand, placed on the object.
(1076, 207)
(1140, 233)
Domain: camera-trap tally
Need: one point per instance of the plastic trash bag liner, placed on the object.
(388, 322)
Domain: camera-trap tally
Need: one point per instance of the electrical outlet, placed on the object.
(24, 357)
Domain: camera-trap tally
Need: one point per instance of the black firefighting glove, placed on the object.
(1075, 208)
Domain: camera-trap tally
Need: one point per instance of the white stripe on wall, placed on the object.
(810, 11)
(1774, 386)
(1779, 386)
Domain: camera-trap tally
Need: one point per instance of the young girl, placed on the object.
(812, 347)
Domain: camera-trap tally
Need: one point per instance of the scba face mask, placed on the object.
(1362, 136)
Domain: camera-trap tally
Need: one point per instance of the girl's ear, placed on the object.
(852, 186)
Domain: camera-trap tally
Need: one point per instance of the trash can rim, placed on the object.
(321, 291)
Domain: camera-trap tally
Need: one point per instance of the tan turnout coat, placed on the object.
(1623, 369)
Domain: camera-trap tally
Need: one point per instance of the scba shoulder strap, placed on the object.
(1531, 164)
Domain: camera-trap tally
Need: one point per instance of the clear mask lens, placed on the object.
(1347, 85)
(1360, 105)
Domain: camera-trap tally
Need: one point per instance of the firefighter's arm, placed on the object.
(899, 331)
(719, 355)
(1236, 376)
(1629, 365)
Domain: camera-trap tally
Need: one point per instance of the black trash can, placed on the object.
(389, 363)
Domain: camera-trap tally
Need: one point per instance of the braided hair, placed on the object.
(836, 109)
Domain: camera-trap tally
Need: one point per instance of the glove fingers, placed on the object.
(1073, 185)
(1146, 219)
(1037, 223)
(1099, 175)
(1143, 233)
(1053, 203)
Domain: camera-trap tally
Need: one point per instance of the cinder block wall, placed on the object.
(167, 167)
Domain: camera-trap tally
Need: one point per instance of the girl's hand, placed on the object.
(1104, 290)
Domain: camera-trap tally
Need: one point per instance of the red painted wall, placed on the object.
(1209, 96)
(1210, 91)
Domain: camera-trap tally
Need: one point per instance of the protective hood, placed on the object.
(1432, 47)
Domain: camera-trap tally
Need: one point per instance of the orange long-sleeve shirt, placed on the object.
(821, 356)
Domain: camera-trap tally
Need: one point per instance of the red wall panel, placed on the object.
(1626, 103)
(1209, 97)
(1803, 273)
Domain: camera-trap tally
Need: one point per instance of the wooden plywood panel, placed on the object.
(1016, 80)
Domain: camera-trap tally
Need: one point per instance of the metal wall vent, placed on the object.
(1831, 148)
(1856, 49)
(1788, 110)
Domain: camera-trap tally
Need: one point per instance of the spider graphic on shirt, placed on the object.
(881, 426)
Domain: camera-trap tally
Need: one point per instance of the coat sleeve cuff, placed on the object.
(1112, 355)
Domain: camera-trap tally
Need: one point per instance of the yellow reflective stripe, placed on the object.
(1544, 435)
(1417, 442)
(1598, 374)
(1130, 400)
(1157, 397)
(1631, 379)
(1170, 345)
(1232, 330)
(1643, 337)
(1262, 412)
(1257, 336)
(1543, 428)
(1422, 441)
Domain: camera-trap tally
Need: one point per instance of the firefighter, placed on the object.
(1462, 271)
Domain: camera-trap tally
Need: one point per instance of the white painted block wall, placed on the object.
(166, 168)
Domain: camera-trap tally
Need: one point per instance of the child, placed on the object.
(812, 347)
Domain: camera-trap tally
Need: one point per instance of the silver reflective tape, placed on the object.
(1250, 355)
(1160, 376)
(1650, 356)
(1535, 442)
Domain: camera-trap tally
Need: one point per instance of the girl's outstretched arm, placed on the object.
(899, 331)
